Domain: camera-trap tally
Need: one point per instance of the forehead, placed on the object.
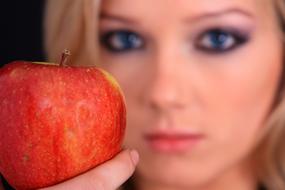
(183, 7)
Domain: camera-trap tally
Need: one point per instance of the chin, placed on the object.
(179, 180)
(174, 173)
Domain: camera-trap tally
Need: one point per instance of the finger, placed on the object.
(107, 176)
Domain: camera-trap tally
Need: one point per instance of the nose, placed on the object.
(167, 90)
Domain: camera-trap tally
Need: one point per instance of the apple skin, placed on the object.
(57, 122)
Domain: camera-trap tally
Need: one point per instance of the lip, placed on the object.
(172, 141)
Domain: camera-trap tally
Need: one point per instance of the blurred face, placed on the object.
(199, 81)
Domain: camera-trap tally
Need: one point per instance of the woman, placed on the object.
(203, 86)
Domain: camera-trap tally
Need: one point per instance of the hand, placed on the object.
(107, 176)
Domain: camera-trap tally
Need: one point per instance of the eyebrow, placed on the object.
(203, 16)
(220, 13)
(117, 18)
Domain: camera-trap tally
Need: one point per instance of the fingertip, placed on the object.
(134, 156)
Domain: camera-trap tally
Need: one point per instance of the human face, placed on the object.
(199, 81)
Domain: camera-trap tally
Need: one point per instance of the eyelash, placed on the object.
(119, 41)
(212, 41)
(226, 40)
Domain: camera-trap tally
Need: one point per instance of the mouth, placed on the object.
(172, 141)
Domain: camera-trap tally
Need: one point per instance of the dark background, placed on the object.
(21, 30)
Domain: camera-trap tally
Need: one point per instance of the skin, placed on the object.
(122, 166)
(171, 84)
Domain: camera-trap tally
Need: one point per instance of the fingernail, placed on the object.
(134, 156)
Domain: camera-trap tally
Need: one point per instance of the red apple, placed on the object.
(56, 122)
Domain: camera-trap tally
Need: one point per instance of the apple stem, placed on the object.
(66, 53)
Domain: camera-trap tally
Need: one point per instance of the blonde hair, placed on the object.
(73, 24)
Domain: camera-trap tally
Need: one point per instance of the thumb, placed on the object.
(107, 176)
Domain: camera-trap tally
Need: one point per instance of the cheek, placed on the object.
(245, 96)
(131, 73)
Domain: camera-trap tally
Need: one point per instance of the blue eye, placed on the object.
(121, 41)
(218, 41)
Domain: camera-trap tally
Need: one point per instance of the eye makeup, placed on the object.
(121, 40)
(219, 40)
